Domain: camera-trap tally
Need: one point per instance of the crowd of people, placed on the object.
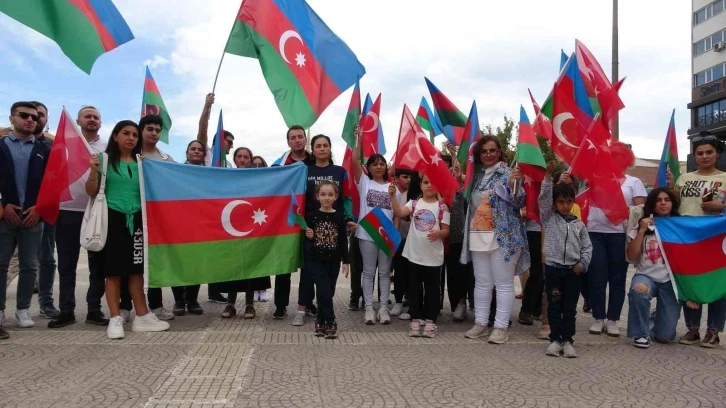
(473, 249)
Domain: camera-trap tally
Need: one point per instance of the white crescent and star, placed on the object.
(420, 135)
(258, 216)
(299, 57)
(723, 246)
(557, 126)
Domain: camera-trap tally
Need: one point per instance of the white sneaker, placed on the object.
(404, 316)
(477, 331)
(149, 323)
(612, 328)
(554, 349)
(163, 314)
(597, 327)
(459, 314)
(24, 320)
(499, 336)
(397, 309)
(125, 315)
(384, 316)
(370, 316)
(256, 297)
(115, 328)
(298, 319)
(264, 297)
(568, 351)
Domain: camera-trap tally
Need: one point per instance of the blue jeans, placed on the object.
(46, 271)
(607, 268)
(28, 248)
(661, 324)
(716, 316)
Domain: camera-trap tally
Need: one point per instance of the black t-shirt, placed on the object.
(330, 242)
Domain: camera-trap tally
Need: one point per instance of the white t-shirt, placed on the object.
(372, 195)
(419, 249)
(651, 263)
(597, 221)
(158, 155)
(78, 189)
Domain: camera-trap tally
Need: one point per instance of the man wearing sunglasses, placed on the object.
(22, 164)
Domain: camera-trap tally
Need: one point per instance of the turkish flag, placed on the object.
(68, 162)
(415, 152)
(594, 154)
(370, 128)
(606, 94)
(542, 126)
(569, 123)
(350, 189)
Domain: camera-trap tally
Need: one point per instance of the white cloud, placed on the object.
(157, 62)
(488, 51)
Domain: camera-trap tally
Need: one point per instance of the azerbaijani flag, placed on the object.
(234, 228)
(382, 231)
(451, 119)
(153, 104)
(304, 63)
(427, 120)
(669, 158)
(219, 158)
(579, 88)
(471, 134)
(295, 217)
(84, 29)
(532, 164)
(350, 189)
(698, 278)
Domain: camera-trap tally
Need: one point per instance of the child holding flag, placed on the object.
(567, 252)
(424, 250)
(327, 230)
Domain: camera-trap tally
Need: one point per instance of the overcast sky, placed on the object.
(488, 51)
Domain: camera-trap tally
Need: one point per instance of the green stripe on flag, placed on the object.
(289, 96)
(453, 118)
(151, 98)
(529, 154)
(63, 23)
(376, 237)
(222, 261)
(704, 288)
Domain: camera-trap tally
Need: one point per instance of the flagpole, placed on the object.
(223, 52)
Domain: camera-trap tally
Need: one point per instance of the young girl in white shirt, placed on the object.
(424, 250)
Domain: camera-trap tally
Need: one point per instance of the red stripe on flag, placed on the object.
(442, 103)
(103, 34)
(189, 221)
(710, 256)
(150, 86)
(270, 22)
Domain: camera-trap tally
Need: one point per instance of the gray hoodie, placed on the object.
(566, 241)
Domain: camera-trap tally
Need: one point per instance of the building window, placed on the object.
(707, 12)
(707, 44)
(714, 112)
(706, 76)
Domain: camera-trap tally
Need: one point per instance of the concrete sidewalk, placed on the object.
(205, 361)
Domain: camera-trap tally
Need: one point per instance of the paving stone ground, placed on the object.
(205, 361)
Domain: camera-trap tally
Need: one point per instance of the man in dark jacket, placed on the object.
(22, 164)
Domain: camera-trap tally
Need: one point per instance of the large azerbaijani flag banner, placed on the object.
(698, 278)
(84, 29)
(305, 64)
(206, 224)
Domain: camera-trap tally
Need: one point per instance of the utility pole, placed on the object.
(616, 125)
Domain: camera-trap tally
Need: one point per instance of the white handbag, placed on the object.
(95, 220)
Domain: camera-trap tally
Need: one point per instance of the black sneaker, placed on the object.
(195, 308)
(525, 319)
(280, 313)
(229, 312)
(179, 309)
(586, 308)
(96, 318)
(49, 312)
(63, 320)
(311, 311)
(4, 333)
(320, 329)
(331, 330)
(218, 298)
(353, 306)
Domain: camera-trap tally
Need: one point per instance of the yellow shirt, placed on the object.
(691, 187)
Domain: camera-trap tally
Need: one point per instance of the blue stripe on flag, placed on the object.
(689, 230)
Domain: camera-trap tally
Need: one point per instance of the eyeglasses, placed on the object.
(489, 152)
(26, 115)
(704, 138)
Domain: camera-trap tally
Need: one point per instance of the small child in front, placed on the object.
(568, 251)
(327, 231)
